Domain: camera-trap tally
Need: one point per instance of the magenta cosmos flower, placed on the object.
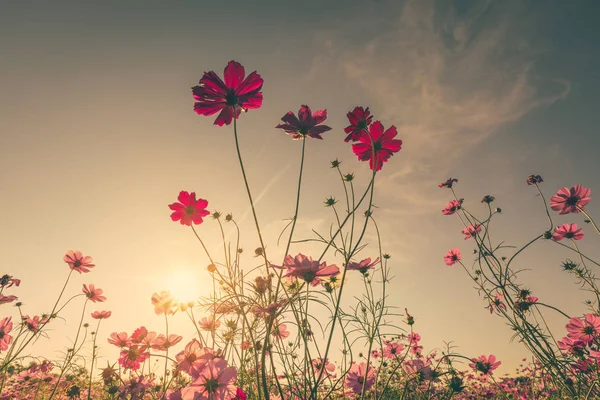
(360, 119)
(379, 143)
(189, 210)
(6, 326)
(305, 124)
(305, 268)
(567, 231)
(358, 376)
(567, 200)
(236, 93)
(77, 262)
(452, 257)
(484, 364)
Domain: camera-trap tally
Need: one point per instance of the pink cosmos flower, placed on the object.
(216, 381)
(209, 324)
(392, 349)
(7, 299)
(7, 281)
(78, 262)
(163, 343)
(33, 323)
(571, 346)
(327, 367)
(567, 200)
(189, 210)
(383, 145)
(133, 357)
(240, 394)
(214, 95)
(360, 119)
(6, 326)
(119, 339)
(568, 231)
(448, 184)
(362, 266)
(414, 338)
(305, 124)
(193, 358)
(139, 335)
(496, 303)
(484, 364)
(471, 231)
(305, 268)
(280, 331)
(101, 314)
(164, 303)
(357, 375)
(585, 330)
(452, 207)
(452, 257)
(93, 294)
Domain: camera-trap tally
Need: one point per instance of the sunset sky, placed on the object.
(98, 136)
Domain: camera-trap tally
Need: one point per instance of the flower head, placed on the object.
(448, 184)
(132, 357)
(305, 268)
(216, 381)
(358, 376)
(471, 231)
(534, 179)
(360, 119)
(6, 326)
(305, 124)
(567, 200)
(236, 93)
(164, 303)
(585, 330)
(189, 210)
(77, 262)
(362, 266)
(568, 231)
(93, 294)
(379, 143)
(484, 364)
(101, 314)
(452, 257)
(452, 207)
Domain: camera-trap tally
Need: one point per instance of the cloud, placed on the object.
(448, 78)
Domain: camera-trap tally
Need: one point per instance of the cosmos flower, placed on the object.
(101, 314)
(484, 364)
(362, 266)
(381, 144)
(77, 262)
(567, 200)
(448, 184)
(360, 119)
(189, 210)
(585, 330)
(6, 326)
(567, 231)
(471, 231)
(305, 124)
(358, 376)
(236, 93)
(164, 303)
(534, 179)
(452, 207)
(305, 268)
(93, 294)
(452, 257)
(133, 357)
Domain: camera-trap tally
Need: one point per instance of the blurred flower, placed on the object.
(305, 124)
(209, 324)
(392, 349)
(448, 184)
(189, 210)
(360, 119)
(379, 143)
(7, 281)
(164, 303)
(7, 299)
(214, 95)
(471, 231)
(119, 339)
(78, 262)
(452, 256)
(362, 266)
(484, 364)
(568, 231)
(93, 294)
(534, 179)
(358, 376)
(6, 326)
(216, 381)
(567, 200)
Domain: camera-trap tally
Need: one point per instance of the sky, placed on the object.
(98, 136)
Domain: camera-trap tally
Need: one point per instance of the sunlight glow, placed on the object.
(184, 284)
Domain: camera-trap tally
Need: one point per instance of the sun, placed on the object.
(184, 284)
